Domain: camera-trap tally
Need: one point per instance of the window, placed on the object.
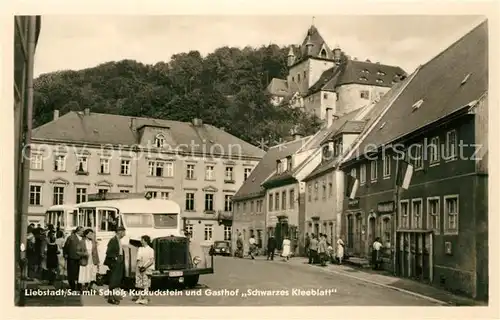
(102, 191)
(247, 173)
(387, 166)
(189, 230)
(353, 172)
(289, 163)
(434, 151)
(157, 168)
(82, 163)
(169, 169)
(58, 195)
(451, 145)
(190, 171)
(451, 214)
(278, 166)
(159, 141)
(190, 201)
(403, 211)
(227, 233)
(277, 201)
(283, 200)
(161, 194)
(154, 194)
(323, 53)
(337, 147)
(324, 190)
(124, 191)
(433, 214)
(81, 195)
(386, 231)
(35, 195)
(316, 190)
(60, 163)
(228, 204)
(36, 162)
(209, 173)
(208, 232)
(104, 169)
(292, 199)
(270, 202)
(418, 157)
(364, 94)
(298, 77)
(373, 170)
(125, 167)
(209, 202)
(325, 95)
(252, 207)
(309, 193)
(416, 213)
(305, 75)
(362, 174)
(229, 174)
(330, 187)
(244, 207)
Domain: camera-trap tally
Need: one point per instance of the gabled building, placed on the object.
(434, 222)
(195, 164)
(324, 185)
(250, 202)
(320, 78)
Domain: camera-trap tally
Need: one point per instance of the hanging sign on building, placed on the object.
(385, 207)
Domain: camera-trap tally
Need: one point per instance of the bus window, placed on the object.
(108, 220)
(87, 218)
(61, 219)
(74, 219)
(165, 220)
(137, 220)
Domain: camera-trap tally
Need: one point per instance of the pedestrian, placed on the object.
(61, 269)
(239, 246)
(114, 260)
(271, 246)
(285, 253)
(322, 248)
(340, 250)
(251, 246)
(89, 260)
(31, 252)
(145, 267)
(307, 243)
(52, 261)
(38, 253)
(313, 250)
(376, 257)
(73, 258)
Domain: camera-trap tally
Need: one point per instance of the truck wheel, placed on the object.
(192, 281)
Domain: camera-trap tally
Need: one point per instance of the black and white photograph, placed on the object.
(276, 160)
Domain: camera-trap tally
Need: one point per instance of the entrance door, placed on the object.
(415, 255)
(371, 230)
(350, 232)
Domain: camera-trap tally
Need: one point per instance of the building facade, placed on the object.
(435, 230)
(194, 164)
(320, 78)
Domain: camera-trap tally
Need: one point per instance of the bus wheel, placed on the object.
(192, 281)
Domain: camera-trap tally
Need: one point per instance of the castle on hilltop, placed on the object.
(320, 78)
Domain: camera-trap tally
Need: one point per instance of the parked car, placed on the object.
(222, 248)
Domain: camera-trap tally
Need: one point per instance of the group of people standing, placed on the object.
(50, 257)
(320, 251)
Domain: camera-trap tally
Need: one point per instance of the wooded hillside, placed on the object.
(226, 89)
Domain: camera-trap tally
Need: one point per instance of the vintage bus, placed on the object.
(63, 217)
(176, 257)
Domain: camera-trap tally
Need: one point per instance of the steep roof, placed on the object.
(367, 115)
(278, 87)
(358, 72)
(445, 84)
(252, 186)
(100, 128)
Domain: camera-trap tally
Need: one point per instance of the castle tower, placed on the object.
(291, 57)
(337, 54)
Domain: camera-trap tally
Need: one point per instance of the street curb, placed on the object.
(386, 286)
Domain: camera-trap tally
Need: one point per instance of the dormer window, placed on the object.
(159, 141)
(337, 147)
(323, 53)
(381, 73)
(289, 163)
(326, 153)
(278, 167)
(379, 81)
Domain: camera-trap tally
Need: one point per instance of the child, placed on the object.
(145, 265)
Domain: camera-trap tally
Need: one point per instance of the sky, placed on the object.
(79, 41)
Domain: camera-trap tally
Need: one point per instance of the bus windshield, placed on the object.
(138, 220)
(55, 218)
(167, 220)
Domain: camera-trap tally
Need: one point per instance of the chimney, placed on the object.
(329, 117)
(56, 115)
(86, 111)
(197, 122)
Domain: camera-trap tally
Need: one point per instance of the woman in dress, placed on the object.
(340, 250)
(89, 260)
(60, 257)
(145, 266)
(286, 248)
(52, 261)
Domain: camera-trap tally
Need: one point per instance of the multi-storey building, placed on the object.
(320, 78)
(436, 228)
(194, 164)
(250, 202)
